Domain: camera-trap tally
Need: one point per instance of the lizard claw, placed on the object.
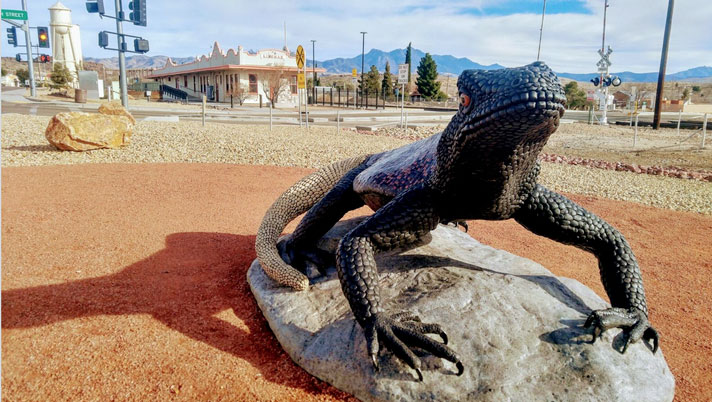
(400, 333)
(633, 321)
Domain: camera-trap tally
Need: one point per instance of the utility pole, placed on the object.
(122, 56)
(663, 65)
(541, 31)
(363, 47)
(28, 44)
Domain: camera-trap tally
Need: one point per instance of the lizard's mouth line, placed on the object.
(516, 107)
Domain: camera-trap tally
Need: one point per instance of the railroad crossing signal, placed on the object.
(301, 58)
(43, 36)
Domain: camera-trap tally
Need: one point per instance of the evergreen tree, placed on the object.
(61, 76)
(387, 83)
(575, 97)
(373, 84)
(408, 55)
(427, 83)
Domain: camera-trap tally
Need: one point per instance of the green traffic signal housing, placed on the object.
(138, 12)
(43, 36)
(96, 7)
(12, 36)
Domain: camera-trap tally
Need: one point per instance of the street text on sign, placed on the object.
(14, 14)
(301, 81)
(301, 58)
(402, 73)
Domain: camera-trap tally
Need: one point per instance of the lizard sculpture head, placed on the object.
(508, 107)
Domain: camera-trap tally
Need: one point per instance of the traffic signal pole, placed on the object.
(28, 44)
(122, 56)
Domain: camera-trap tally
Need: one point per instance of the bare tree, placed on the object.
(274, 84)
(239, 93)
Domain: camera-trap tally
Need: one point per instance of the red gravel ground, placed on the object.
(128, 282)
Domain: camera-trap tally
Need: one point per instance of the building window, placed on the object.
(253, 83)
(193, 83)
(169, 79)
(293, 85)
(185, 80)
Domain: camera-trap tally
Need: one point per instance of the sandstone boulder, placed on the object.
(77, 131)
(516, 326)
(116, 109)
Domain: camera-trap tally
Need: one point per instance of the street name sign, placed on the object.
(14, 14)
(301, 58)
(403, 73)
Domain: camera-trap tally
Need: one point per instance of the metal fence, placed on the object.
(328, 96)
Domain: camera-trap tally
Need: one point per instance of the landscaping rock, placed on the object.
(77, 131)
(115, 109)
(516, 327)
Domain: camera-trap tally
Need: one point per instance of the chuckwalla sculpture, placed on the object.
(483, 166)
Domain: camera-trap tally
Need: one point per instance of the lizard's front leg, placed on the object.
(400, 222)
(549, 214)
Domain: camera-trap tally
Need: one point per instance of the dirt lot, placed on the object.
(140, 293)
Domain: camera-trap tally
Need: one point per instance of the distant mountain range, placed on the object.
(139, 61)
(446, 64)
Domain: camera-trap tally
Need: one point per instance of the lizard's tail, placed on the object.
(292, 203)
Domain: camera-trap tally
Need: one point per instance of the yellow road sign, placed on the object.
(301, 81)
(353, 72)
(301, 58)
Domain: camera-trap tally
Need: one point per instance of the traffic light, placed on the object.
(103, 39)
(18, 57)
(12, 36)
(43, 36)
(96, 6)
(596, 81)
(141, 45)
(138, 14)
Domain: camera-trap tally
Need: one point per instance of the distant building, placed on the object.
(219, 74)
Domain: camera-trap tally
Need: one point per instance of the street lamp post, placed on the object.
(363, 46)
(604, 92)
(313, 64)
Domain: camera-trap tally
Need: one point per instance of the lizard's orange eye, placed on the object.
(464, 100)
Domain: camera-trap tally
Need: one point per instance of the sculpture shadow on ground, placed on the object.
(184, 286)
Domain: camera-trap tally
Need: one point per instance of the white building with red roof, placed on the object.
(221, 73)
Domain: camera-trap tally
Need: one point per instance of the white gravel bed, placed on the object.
(24, 144)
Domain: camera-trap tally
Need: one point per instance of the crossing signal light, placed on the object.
(596, 81)
(103, 39)
(607, 81)
(141, 45)
(12, 36)
(138, 12)
(45, 58)
(616, 81)
(43, 36)
(96, 7)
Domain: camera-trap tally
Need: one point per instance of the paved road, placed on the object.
(14, 101)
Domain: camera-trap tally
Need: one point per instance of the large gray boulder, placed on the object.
(516, 326)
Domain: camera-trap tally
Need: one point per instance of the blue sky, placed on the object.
(486, 31)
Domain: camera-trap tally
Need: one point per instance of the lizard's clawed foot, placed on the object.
(633, 321)
(299, 257)
(462, 224)
(402, 332)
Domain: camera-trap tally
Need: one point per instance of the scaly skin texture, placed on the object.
(483, 166)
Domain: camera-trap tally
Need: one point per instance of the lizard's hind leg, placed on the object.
(299, 249)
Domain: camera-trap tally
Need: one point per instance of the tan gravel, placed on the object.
(23, 144)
